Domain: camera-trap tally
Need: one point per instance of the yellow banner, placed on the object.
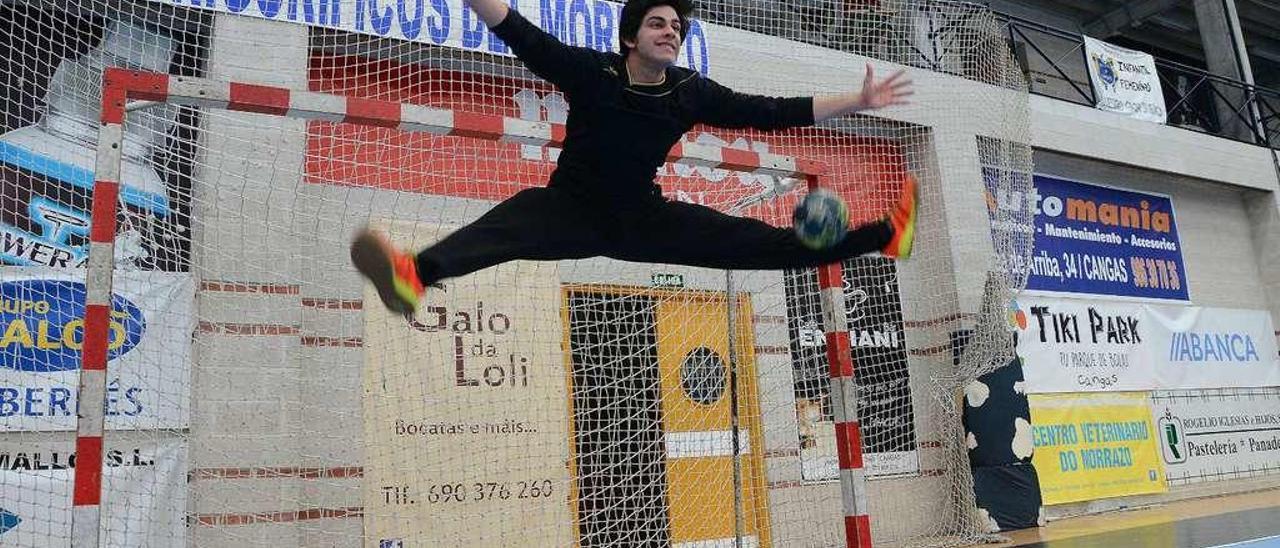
(1093, 446)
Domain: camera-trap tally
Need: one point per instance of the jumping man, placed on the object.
(626, 111)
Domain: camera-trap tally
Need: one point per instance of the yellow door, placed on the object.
(694, 366)
(650, 398)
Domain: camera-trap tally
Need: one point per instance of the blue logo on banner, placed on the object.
(42, 325)
(1098, 241)
(8, 520)
(1212, 347)
(1106, 71)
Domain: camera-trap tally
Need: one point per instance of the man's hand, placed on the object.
(491, 12)
(891, 91)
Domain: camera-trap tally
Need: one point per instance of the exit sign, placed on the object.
(668, 280)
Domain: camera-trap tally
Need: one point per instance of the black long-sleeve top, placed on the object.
(619, 133)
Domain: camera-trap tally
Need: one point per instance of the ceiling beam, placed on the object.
(1180, 34)
(1042, 15)
(1266, 4)
(1132, 14)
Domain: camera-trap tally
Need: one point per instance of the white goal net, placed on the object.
(257, 393)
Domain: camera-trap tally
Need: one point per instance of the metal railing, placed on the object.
(956, 38)
(1054, 63)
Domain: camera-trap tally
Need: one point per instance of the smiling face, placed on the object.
(658, 40)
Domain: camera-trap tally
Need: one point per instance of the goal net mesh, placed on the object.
(258, 393)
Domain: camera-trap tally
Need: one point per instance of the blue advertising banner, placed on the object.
(586, 23)
(1096, 240)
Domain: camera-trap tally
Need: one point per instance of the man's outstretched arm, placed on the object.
(723, 107)
(568, 67)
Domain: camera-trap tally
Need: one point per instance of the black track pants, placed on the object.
(549, 223)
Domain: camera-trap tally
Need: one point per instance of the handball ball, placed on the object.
(821, 219)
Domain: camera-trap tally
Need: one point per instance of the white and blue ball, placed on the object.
(821, 220)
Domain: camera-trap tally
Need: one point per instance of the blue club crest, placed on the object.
(8, 520)
(1106, 68)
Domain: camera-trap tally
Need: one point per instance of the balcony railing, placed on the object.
(1053, 61)
(956, 37)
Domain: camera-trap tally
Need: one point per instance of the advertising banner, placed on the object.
(586, 23)
(466, 407)
(144, 490)
(148, 349)
(1093, 446)
(879, 348)
(1125, 81)
(1070, 345)
(1096, 240)
(1214, 436)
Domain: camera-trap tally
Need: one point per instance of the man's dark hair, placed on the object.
(633, 14)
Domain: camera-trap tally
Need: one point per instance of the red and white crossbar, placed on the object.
(244, 97)
(121, 86)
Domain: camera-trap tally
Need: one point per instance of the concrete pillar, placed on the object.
(1263, 209)
(1217, 21)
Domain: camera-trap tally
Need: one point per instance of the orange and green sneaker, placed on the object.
(393, 273)
(902, 219)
